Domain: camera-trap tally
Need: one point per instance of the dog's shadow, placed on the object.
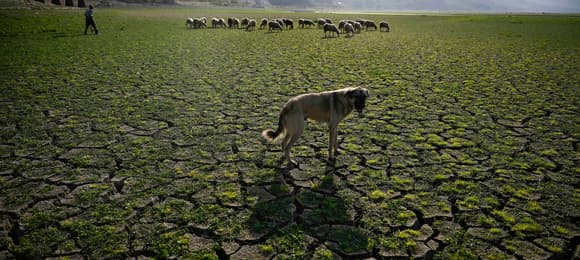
(310, 203)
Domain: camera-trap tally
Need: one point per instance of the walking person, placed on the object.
(89, 21)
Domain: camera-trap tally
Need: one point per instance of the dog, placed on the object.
(329, 107)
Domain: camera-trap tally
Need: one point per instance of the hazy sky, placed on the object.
(561, 6)
(542, 5)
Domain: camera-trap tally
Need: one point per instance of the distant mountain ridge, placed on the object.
(564, 6)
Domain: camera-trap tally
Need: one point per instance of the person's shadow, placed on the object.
(69, 35)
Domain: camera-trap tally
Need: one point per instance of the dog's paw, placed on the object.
(292, 163)
(331, 161)
(281, 161)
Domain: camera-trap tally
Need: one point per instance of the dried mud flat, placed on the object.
(145, 141)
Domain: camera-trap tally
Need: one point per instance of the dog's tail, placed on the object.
(275, 136)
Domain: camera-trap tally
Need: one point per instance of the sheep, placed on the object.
(370, 23)
(328, 20)
(215, 22)
(341, 26)
(274, 25)
(251, 25)
(320, 22)
(189, 22)
(349, 29)
(385, 25)
(245, 22)
(236, 23)
(263, 23)
(305, 22)
(328, 27)
(357, 27)
(288, 23)
(198, 23)
(233, 22)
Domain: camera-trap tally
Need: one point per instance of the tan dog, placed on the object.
(329, 107)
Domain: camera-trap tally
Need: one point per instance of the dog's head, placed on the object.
(358, 97)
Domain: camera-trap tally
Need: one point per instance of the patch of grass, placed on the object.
(561, 230)
(377, 195)
(459, 187)
(527, 226)
(323, 254)
(535, 206)
(504, 216)
(266, 249)
(470, 202)
(408, 233)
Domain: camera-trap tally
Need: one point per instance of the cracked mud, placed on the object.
(149, 145)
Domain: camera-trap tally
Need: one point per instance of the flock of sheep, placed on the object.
(348, 27)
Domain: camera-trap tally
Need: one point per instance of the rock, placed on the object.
(447, 230)
(553, 244)
(357, 254)
(5, 239)
(432, 212)
(46, 191)
(199, 243)
(425, 233)
(396, 253)
(230, 247)
(433, 244)
(348, 240)
(494, 253)
(492, 234)
(510, 123)
(303, 184)
(299, 175)
(422, 251)
(205, 196)
(78, 196)
(526, 249)
(4, 254)
(248, 252)
(260, 193)
(71, 257)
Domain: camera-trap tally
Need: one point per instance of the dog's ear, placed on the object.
(350, 92)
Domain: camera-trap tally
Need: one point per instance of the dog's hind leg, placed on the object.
(294, 129)
(284, 144)
(289, 147)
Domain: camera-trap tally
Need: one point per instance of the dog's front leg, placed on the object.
(332, 140)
